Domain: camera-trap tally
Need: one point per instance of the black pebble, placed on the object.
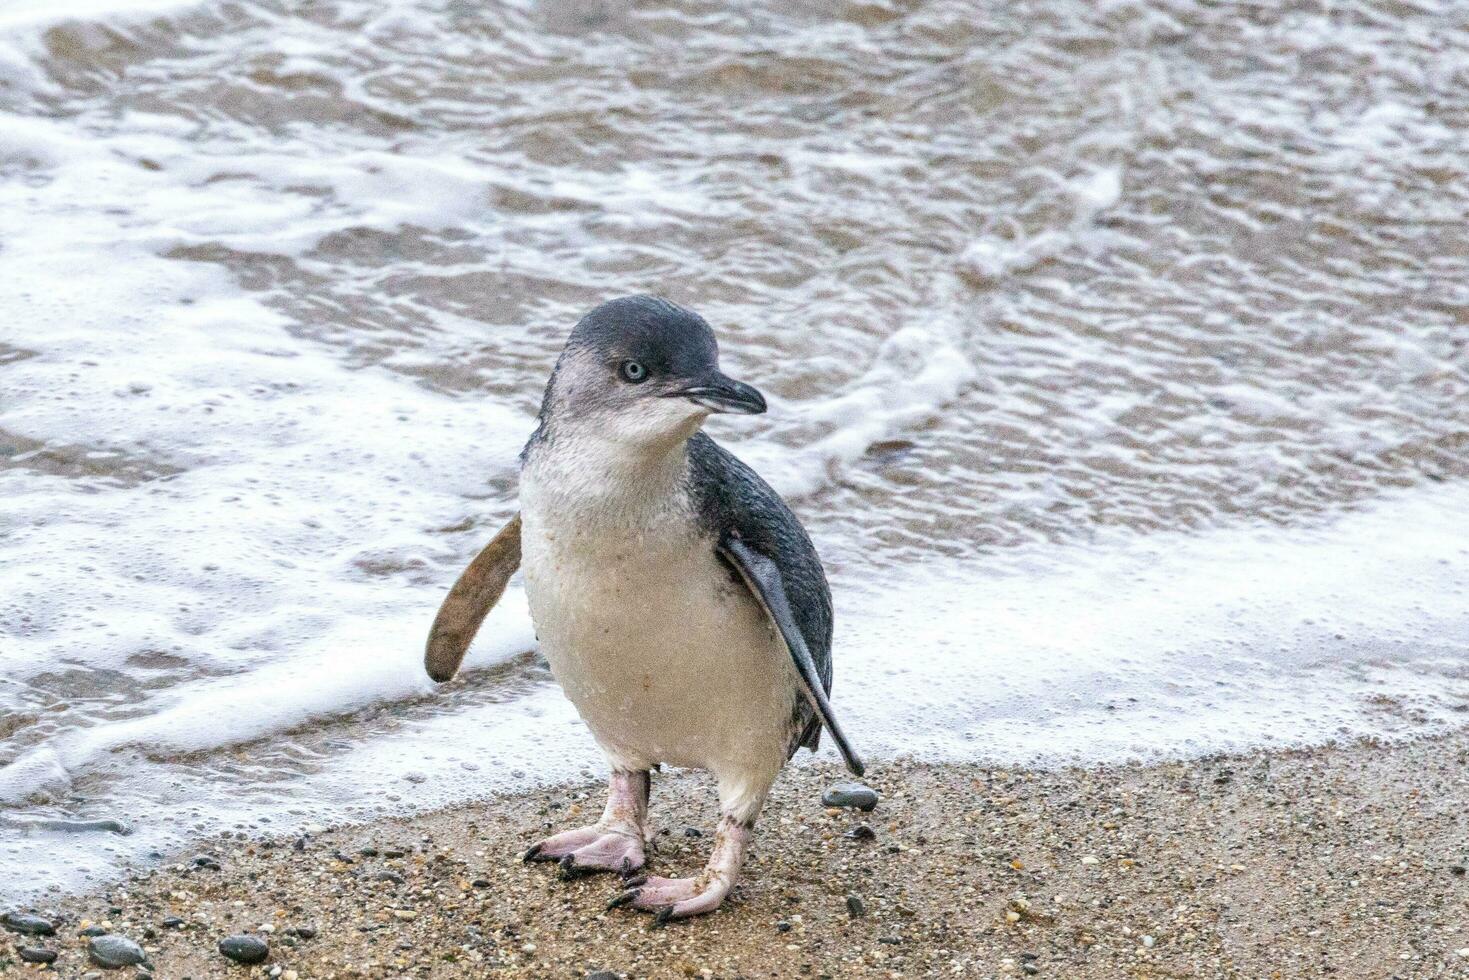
(368, 852)
(855, 908)
(393, 852)
(31, 925)
(114, 952)
(93, 931)
(782, 926)
(205, 861)
(392, 876)
(171, 922)
(861, 832)
(35, 954)
(1459, 869)
(481, 883)
(305, 932)
(692, 832)
(1030, 968)
(602, 975)
(856, 795)
(244, 949)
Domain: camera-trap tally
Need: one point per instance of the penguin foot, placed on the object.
(675, 898)
(588, 850)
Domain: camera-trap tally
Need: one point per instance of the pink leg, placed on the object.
(678, 898)
(614, 843)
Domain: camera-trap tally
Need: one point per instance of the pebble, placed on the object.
(37, 954)
(244, 949)
(31, 925)
(850, 795)
(171, 922)
(1091, 859)
(855, 908)
(112, 952)
(305, 932)
(93, 931)
(602, 975)
(861, 832)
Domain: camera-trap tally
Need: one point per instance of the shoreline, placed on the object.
(1345, 861)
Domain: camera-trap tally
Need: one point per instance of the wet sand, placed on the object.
(1340, 862)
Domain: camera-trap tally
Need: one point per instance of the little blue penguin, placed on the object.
(676, 598)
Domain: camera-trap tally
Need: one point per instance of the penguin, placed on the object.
(676, 598)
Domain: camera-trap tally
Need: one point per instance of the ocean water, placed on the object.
(1118, 361)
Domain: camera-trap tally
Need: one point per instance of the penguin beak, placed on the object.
(721, 394)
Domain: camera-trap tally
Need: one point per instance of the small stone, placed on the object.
(31, 925)
(113, 952)
(171, 922)
(1029, 968)
(393, 852)
(407, 915)
(37, 954)
(782, 926)
(1149, 941)
(93, 931)
(207, 862)
(290, 975)
(861, 832)
(1459, 869)
(856, 795)
(304, 932)
(244, 949)
(1091, 859)
(602, 975)
(855, 908)
(367, 852)
(392, 876)
(692, 832)
(275, 971)
(480, 883)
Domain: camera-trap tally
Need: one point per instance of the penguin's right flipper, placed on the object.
(470, 600)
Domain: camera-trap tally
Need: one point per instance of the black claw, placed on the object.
(618, 901)
(533, 854)
(570, 870)
(635, 882)
(661, 919)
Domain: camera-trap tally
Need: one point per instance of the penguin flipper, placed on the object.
(473, 596)
(762, 577)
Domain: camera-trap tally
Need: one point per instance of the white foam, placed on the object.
(992, 258)
(916, 372)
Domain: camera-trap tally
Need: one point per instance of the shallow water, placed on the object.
(1118, 357)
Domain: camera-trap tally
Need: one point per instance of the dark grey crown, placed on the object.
(664, 337)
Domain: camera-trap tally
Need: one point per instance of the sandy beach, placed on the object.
(1343, 862)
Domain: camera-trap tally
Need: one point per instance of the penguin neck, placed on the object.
(578, 471)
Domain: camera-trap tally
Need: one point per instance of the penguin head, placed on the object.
(642, 370)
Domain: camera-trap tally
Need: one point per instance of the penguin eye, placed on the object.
(633, 372)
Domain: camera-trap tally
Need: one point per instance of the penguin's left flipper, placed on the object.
(470, 600)
(762, 576)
